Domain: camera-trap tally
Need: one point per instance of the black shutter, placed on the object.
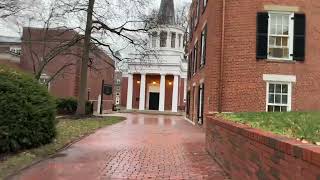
(199, 115)
(299, 37)
(262, 35)
(202, 104)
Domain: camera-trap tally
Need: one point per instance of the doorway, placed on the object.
(154, 101)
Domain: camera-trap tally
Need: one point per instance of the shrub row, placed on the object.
(27, 112)
(68, 106)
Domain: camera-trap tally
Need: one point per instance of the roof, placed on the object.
(8, 39)
(166, 14)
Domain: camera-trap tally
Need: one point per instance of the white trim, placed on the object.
(201, 81)
(279, 78)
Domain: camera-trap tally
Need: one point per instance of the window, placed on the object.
(205, 2)
(118, 81)
(197, 13)
(118, 88)
(117, 100)
(15, 50)
(278, 97)
(188, 103)
(203, 46)
(280, 36)
(180, 38)
(173, 40)
(154, 39)
(195, 58)
(163, 39)
(200, 104)
(117, 94)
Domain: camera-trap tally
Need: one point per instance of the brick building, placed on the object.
(158, 82)
(10, 51)
(253, 56)
(39, 44)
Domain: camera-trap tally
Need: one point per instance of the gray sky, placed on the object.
(10, 29)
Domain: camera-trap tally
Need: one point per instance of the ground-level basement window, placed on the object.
(278, 97)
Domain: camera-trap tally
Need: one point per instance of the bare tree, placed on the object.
(119, 25)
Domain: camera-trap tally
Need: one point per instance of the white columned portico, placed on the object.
(142, 97)
(130, 91)
(162, 92)
(175, 93)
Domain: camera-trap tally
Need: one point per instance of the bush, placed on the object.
(68, 106)
(27, 112)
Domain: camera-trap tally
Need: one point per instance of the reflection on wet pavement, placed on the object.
(142, 147)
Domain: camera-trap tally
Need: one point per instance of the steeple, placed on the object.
(166, 14)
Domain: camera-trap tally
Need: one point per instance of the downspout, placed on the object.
(221, 56)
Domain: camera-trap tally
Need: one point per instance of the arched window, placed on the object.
(154, 39)
(163, 39)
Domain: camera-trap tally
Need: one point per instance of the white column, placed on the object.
(142, 97)
(185, 89)
(169, 39)
(130, 92)
(175, 93)
(162, 92)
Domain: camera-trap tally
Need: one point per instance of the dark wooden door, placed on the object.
(154, 101)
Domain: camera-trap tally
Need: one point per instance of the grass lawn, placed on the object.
(302, 125)
(68, 131)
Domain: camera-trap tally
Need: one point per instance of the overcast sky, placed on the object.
(8, 29)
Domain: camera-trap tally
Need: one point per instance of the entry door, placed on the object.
(154, 101)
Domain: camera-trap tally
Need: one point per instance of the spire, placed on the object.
(166, 14)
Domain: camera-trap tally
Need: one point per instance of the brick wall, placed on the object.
(244, 89)
(247, 153)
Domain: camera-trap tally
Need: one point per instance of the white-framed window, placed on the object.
(205, 2)
(280, 35)
(279, 96)
(203, 46)
(15, 50)
(154, 36)
(118, 81)
(198, 12)
(173, 39)
(163, 39)
(117, 100)
(195, 58)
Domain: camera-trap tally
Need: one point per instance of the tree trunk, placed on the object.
(84, 63)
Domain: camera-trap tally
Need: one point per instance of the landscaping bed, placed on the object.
(304, 126)
(68, 131)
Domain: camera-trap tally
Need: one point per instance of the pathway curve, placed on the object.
(142, 147)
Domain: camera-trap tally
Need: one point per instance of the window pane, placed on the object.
(278, 52)
(277, 99)
(271, 98)
(278, 41)
(273, 19)
(284, 109)
(285, 53)
(270, 108)
(284, 88)
(279, 19)
(271, 88)
(272, 41)
(277, 109)
(285, 30)
(278, 88)
(273, 29)
(279, 30)
(284, 99)
(284, 41)
(173, 40)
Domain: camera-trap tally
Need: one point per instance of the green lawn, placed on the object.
(303, 125)
(68, 131)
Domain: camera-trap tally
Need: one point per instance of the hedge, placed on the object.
(27, 112)
(68, 106)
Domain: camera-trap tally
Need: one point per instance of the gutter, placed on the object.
(222, 56)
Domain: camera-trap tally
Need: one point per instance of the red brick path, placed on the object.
(143, 147)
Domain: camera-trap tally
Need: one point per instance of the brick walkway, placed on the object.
(143, 147)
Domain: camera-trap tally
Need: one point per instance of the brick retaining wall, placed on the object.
(248, 153)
